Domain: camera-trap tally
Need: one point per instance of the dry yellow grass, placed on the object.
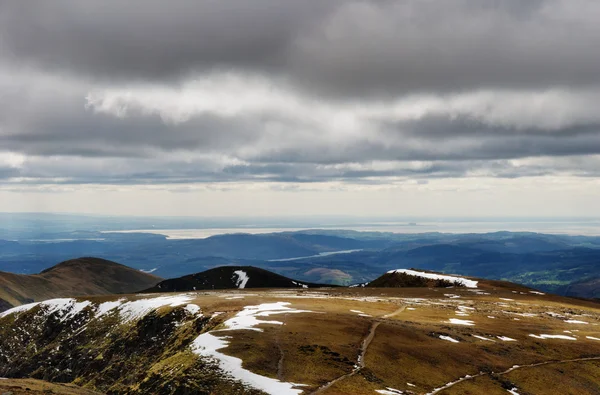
(39, 387)
(407, 329)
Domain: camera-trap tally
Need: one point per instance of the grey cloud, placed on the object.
(341, 47)
(326, 53)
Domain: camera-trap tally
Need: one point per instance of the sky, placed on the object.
(286, 107)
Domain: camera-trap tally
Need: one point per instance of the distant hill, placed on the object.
(589, 288)
(229, 277)
(76, 277)
(410, 278)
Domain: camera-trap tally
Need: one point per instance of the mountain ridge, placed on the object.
(76, 277)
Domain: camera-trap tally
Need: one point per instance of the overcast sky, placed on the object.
(287, 107)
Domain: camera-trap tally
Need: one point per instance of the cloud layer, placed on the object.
(357, 92)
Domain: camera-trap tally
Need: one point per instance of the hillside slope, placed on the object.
(229, 277)
(76, 277)
(359, 341)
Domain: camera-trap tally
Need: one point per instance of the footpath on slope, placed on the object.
(363, 351)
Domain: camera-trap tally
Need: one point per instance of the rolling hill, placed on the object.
(485, 337)
(76, 277)
(229, 277)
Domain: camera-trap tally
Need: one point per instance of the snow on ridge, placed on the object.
(64, 307)
(136, 309)
(463, 281)
(242, 279)
(208, 345)
(19, 309)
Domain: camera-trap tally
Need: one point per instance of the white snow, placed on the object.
(136, 309)
(104, 308)
(563, 337)
(452, 296)
(537, 293)
(463, 281)
(365, 315)
(506, 339)
(507, 299)
(513, 391)
(458, 321)
(410, 308)
(63, 307)
(410, 385)
(242, 279)
(357, 311)
(592, 338)
(193, 309)
(300, 284)
(448, 338)
(483, 338)
(19, 309)
(389, 391)
(246, 319)
(207, 344)
(576, 322)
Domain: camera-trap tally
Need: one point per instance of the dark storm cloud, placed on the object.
(153, 39)
(343, 46)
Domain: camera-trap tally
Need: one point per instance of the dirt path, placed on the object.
(280, 362)
(363, 351)
(400, 310)
(516, 367)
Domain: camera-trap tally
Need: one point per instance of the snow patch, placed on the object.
(483, 338)
(563, 337)
(576, 322)
(19, 309)
(207, 344)
(448, 338)
(136, 309)
(193, 309)
(463, 281)
(389, 391)
(242, 279)
(64, 308)
(458, 321)
(506, 339)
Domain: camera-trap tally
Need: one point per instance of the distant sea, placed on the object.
(571, 227)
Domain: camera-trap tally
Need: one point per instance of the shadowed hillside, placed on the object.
(76, 277)
(228, 277)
